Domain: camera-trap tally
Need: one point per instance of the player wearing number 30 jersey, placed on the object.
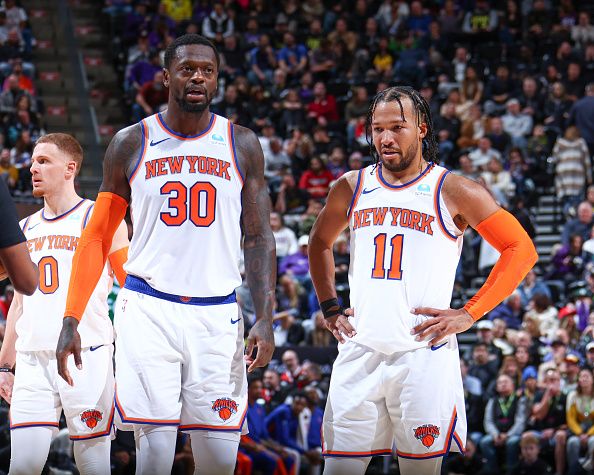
(39, 395)
(195, 185)
(397, 376)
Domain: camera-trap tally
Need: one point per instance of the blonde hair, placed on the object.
(67, 144)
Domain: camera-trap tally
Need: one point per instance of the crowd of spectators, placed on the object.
(20, 108)
(511, 89)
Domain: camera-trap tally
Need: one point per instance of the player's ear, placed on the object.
(422, 130)
(70, 168)
(165, 77)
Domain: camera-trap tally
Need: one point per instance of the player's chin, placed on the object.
(37, 192)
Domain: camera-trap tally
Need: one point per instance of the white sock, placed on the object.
(346, 465)
(29, 447)
(420, 467)
(215, 453)
(93, 456)
(155, 449)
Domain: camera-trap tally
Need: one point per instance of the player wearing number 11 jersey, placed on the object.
(397, 375)
(37, 395)
(195, 184)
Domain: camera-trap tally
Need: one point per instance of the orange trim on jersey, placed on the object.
(135, 420)
(62, 216)
(231, 137)
(98, 434)
(438, 453)
(145, 137)
(33, 424)
(213, 427)
(358, 187)
(437, 208)
(177, 136)
(382, 181)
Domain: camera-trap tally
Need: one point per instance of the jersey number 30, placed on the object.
(196, 203)
(379, 269)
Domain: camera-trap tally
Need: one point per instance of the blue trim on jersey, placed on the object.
(361, 171)
(235, 153)
(147, 423)
(63, 214)
(184, 136)
(141, 152)
(443, 226)
(24, 228)
(26, 426)
(87, 214)
(404, 185)
(379, 454)
(139, 285)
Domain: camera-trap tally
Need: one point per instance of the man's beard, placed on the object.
(193, 108)
(407, 159)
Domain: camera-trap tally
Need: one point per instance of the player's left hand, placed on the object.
(262, 337)
(444, 323)
(68, 344)
(6, 385)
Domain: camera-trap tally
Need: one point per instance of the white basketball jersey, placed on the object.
(404, 253)
(52, 243)
(186, 210)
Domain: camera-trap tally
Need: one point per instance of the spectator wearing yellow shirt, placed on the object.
(580, 420)
(178, 10)
(8, 172)
(383, 61)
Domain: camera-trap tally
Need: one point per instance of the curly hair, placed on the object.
(421, 107)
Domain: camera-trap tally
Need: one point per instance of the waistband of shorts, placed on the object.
(139, 285)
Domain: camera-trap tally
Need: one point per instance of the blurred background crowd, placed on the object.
(511, 89)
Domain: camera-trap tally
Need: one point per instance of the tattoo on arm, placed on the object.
(259, 246)
(120, 159)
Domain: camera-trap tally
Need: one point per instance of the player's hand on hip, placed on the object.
(445, 322)
(6, 384)
(68, 344)
(340, 326)
(261, 337)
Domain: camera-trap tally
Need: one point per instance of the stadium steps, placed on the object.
(549, 216)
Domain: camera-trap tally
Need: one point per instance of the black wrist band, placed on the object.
(4, 369)
(330, 308)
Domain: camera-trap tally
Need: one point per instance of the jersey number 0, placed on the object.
(199, 208)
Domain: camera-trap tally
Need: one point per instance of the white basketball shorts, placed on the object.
(40, 394)
(412, 398)
(179, 361)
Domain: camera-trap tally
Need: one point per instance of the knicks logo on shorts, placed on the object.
(91, 417)
(427, 434)
(225, 407)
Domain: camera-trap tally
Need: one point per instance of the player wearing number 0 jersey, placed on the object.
(38, 395)
(194, 182)
(397, 376)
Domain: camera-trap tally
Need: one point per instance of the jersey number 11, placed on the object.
(395, 270)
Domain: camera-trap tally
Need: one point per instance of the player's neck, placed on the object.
(417, 168)
(56, 204)
(186, 123)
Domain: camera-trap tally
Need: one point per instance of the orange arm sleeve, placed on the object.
(92, 250)
(117, 260)
(518, 255)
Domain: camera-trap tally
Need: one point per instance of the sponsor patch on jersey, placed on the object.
(217, 138)
(225, 407)
(91, 417)
(423, 189)
(427, 434)
(185, 299)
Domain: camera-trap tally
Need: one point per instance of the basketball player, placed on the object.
(406, 216)
(15, 261)
(34, 324)
(194, 181)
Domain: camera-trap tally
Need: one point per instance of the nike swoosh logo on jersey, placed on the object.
(233, 322)
(157, 143)
(94, 348)
(35, 225)
(434, 348)
(369, 191)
